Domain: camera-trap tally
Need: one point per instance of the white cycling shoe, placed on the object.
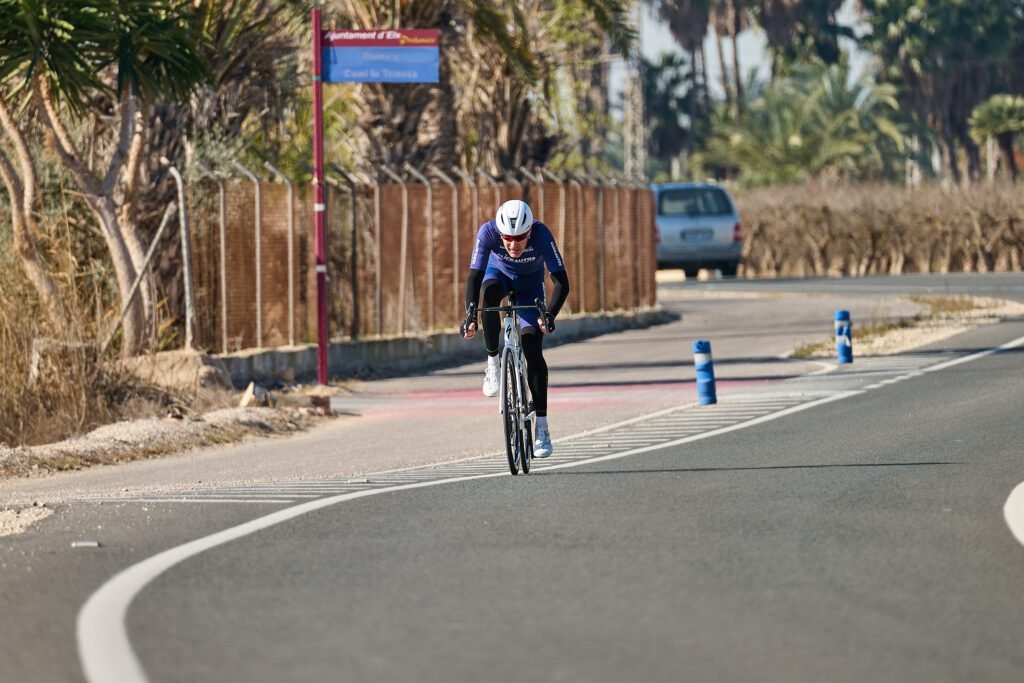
(542, 447)
(491, 381)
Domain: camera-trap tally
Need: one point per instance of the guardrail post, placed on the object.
(430, 241)
(580, 263)
(455, 238)
(186, 252)
(404, 248)
(497, 191)
(705, 369)
(509, 179)
(844, 337)
(259, 263)
(539, 182)
(600, 241)
(222, 221)
(291, 251)
(561, 215)
(350, 184)
(468, 179)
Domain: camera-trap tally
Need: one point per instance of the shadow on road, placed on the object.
(567, 472)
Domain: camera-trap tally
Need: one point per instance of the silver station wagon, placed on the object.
(698, 227)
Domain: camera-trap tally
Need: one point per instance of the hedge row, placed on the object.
(861, 230)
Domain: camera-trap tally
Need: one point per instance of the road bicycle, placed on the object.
(516, 410)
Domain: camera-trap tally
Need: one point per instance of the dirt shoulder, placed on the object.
(913, 333)
(154, 437)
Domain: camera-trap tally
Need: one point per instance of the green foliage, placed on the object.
(945, 57)
(256, 105)
(676, 116)
(814, 122)
(801, 30)
(1002, 117)
(998, 114)
(151, 44)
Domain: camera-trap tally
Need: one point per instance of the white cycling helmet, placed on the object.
(514, 218)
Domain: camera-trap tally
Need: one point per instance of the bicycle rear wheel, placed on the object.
(510, 411)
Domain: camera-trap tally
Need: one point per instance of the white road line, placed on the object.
(103, 645)
(1013, 511)
(276, 501)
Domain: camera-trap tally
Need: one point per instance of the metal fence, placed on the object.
(398, 252)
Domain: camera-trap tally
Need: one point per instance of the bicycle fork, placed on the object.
(511, 354)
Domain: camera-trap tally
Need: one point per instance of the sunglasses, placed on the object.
(516, 238)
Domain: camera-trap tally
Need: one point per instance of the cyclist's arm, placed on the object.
(473, 284)
(559, 293)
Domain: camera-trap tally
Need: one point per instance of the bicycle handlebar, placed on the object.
(508, 308)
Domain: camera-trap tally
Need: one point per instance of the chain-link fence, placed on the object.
(398, 252)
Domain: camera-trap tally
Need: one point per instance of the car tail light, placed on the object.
(737, 233)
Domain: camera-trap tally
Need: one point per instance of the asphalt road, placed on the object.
(845, 526)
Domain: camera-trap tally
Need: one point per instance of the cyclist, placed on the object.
(510, 254)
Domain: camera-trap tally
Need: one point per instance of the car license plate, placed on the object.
(693, 236)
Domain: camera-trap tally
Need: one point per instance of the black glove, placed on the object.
(470, 319)
(549, 321)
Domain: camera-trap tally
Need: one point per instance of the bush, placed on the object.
(72, 392)
(867, 229)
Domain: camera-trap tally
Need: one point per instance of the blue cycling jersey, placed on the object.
(489, 252)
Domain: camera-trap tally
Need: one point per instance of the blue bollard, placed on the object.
(844, 337)
(705, 372)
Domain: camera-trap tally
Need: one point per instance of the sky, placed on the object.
(656, 40)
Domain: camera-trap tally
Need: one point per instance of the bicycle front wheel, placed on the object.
(510, 412)
(525, 431)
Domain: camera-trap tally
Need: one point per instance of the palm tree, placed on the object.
(68, 58)
(941, 67)
(688, 23)
(1002, 117)
(800, 29)
(669, 100)
(809, 124)
(500, 79)
(730, 18)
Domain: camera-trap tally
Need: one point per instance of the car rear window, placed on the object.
(693, 201)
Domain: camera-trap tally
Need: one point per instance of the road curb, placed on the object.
(397, 355)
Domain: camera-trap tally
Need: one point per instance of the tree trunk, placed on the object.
(737, 72)
(951, 160)
(22, 200)
(125, 272)
(100, 197)
(724, 72)
(694, 94)
(1005, 141)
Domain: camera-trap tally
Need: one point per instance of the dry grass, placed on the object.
(73, 392)
(872, 329)
(821, 230)
(946, 305)
(939, 308)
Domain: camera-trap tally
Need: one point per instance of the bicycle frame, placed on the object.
(513, 352)
(519, 424)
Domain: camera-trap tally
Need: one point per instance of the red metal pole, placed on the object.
(320, 203)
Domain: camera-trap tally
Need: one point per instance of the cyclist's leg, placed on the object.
(495, 287)
(536, 369)
(493, 291)
(527, 291)
(536, 366)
